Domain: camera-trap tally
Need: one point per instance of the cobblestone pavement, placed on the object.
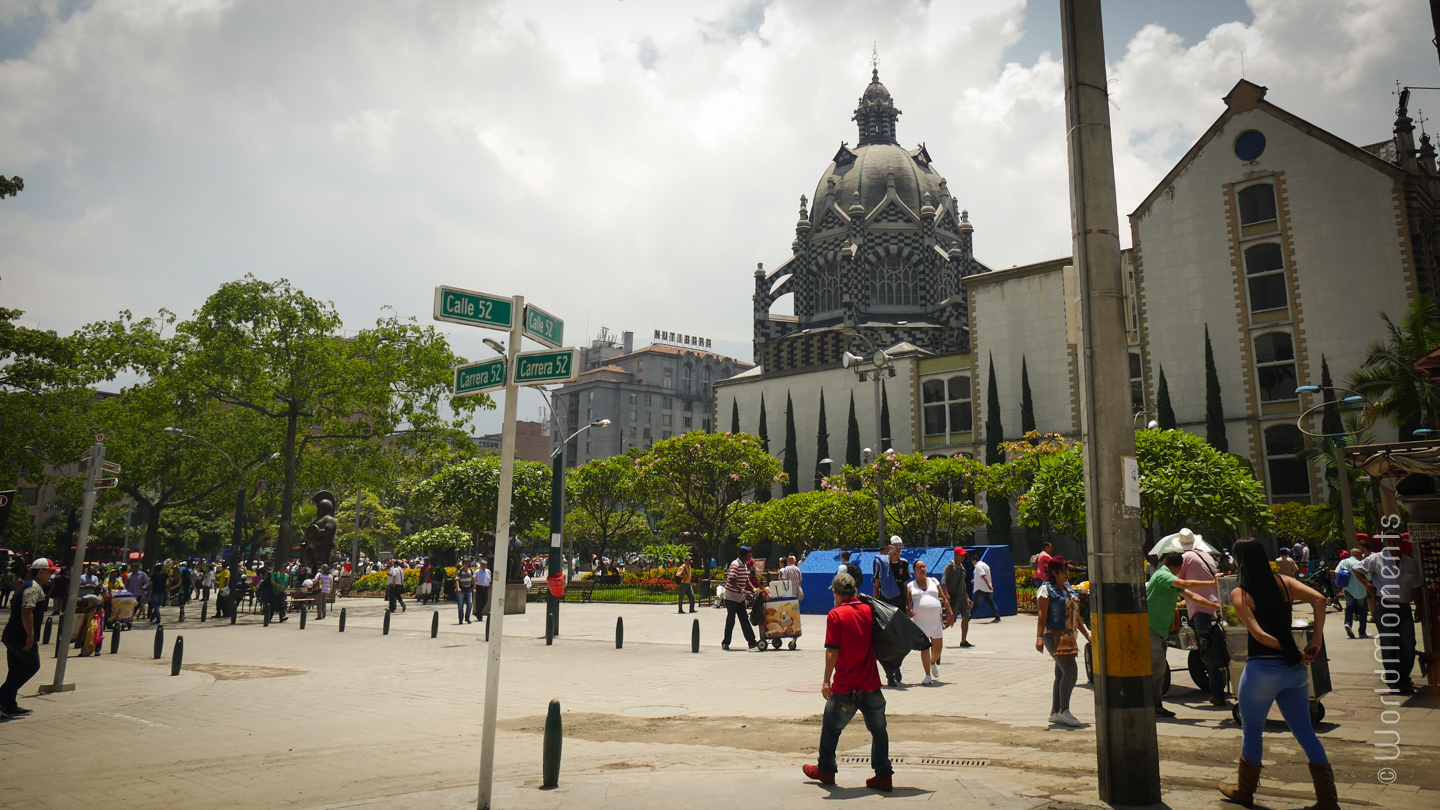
(280, 717)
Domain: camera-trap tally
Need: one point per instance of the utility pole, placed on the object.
(355, 543)
(1126, 746)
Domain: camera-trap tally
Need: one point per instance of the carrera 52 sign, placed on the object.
(550, 366)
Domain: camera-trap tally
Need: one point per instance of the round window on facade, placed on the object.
(1250, 145)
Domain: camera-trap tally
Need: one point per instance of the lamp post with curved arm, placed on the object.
(1347, 513)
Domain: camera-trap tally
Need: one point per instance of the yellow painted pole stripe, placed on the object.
(1126, 645)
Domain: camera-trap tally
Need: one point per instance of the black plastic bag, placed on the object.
(1213, 651)
(894, 634)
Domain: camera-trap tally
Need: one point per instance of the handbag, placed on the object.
(1212, 648)
(1065, 646)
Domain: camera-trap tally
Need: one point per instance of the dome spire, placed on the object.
(876, 113)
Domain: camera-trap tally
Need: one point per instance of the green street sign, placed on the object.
(544, 327)
(471, 308)
(548, 366)
(479, 377)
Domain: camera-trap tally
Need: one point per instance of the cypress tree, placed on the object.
(1027, 400)
(852, 436)
(1331, 424)
(734, 416)
(1164, 414)
(998, 508)
(792, 455)
(762, 494)
(885, 438)
(1214, 411)
(822, 444)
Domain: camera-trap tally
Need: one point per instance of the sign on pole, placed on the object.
(547, 366)
(479, 377)
(470, 308)
(544, 327)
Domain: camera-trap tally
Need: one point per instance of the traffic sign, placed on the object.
(109, 466)
(547, 366)
(471, 308)
(544, 327)
(479, 377)
(106, 483)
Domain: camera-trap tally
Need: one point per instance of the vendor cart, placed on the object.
(779, 614)
(1237, 643)
(120, 611)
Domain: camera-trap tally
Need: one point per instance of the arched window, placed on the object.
(1265, 267)
(894, 284)
(705, 381)
(1275, 366)
(686, 373)
(827, 288)
(1257, 204)
(1289, 476)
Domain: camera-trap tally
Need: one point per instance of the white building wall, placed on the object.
(1023, 318)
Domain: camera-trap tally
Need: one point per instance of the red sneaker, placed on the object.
(814, 772)
(879, 783)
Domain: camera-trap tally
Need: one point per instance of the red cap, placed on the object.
(959, 552)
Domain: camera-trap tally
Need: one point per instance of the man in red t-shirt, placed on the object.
(1042, 565)
(851, 683)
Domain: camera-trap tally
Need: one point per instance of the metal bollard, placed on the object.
(234, 607)
(302, 617)
(549, 630)
(49, 624)
(159, 640)
(342, 620)
(487, 626)
(550, 770)
(435, 624)
(178, 656)
(386, 630)
(115, 640)
(695, 637)
(204, 610)
(268, 611)
(619, 632)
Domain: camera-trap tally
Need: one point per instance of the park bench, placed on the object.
(581, 591)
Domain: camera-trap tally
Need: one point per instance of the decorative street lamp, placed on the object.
(1356, 398)
(554, 564)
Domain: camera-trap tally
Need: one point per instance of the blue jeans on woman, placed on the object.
(1269, 681)
(464, 602)
(839, 710)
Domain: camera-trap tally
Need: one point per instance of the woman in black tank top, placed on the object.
(1275, 672)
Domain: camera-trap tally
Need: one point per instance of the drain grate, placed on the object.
(945, 762)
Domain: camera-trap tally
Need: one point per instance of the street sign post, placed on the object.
(94, 463)
(548, 366)
(479, 377)
(470, 308)
(544, 327)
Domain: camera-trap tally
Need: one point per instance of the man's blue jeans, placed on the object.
(1356, 608)
(839, 709)
(1202, 622)
(1269, 681)
(984, 598)
(464, 602)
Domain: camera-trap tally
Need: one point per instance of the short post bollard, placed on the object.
(549, 630)
(267, 614)
(115, 640)
(695, 637)
(178, 656)
(159, 640)
(487, 627)
(302, 617)
(386, 630)
(619, 632)
(49, 625)
(550, 770)
(342, 620)
(435, 624)
(234, 607)
(204, 610)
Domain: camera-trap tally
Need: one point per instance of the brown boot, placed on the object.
(1324, 778)
(1243, 791)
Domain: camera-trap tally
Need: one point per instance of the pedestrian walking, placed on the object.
(159, 592)
(89, 581)
(1286, 564)
(848, 566)
(929, 607)
(888, 575)
(1198, 566)
(851, 684)
(685, 586)
(207, 583)
(737, 585)
(952, 580)
(397, 585)
(22, 648)
(326, 582)
(1275, 672)
(279, 581)
(427, 582)
(1392, 579)
(1057, 619)
(7, 585)
(1161, 590)
(1041, 574)
(1352, 587)
(985, 589)
(137, 582)
(464, 591)
(482, 589)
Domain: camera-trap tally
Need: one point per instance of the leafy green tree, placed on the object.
(446, 539)
(707, 476)
(825, 518)
(822, 444)
(886, 439)
(1214, 409)
(792, 452)
(11, 187)
(1387, 377)
(926, 500)
(612, 494)
(669, 555)
(1027, 399)
(1164, 413)
(582, 530)
(852, 436)
(734, 416)
(1298, 523)
(269, 348)
(998, 509)
(468, 495)
(379, 524)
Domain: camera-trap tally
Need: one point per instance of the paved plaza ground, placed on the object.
(280, 717)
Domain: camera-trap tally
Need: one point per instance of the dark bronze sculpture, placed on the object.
(319, 546)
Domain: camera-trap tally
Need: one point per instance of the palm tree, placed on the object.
(1408, 398)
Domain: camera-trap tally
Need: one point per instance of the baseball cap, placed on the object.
(896, 541)
(42, 563)
(959, 552)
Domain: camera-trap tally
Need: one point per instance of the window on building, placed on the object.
(1275, 366)
(946, 405)
(632, 431)
(589, 396)
(1265, 267)
(645, 433)
(633, 414)
(587, 448)
(1257, 204)
(647, 400)
(688, 405)
(632, 399)
(959, 390)
(647, 417)
(685, 374)
(665, 435)
(894, 284)
(705, 407)
(1137, 385)
(705, 425)
(1289, 476)
(827, 288)
(667, 420)
(589, 414)
(705, 381)
(640, 366)
(667, 403)
(689, 421)
(669, 378)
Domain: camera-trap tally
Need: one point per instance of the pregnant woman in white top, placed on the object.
(929, 607)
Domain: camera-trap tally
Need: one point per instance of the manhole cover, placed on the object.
(654, 711)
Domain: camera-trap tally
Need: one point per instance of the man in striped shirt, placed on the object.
(737, 584)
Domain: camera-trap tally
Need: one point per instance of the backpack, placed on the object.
(1342, 576)
(854, 571)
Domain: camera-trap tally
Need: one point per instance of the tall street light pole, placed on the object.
(1347, 511)
(1126, 746)
(557, 520)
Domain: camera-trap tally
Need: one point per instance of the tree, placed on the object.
(611, 492)
(886, 440)
(468, 495)
(11, 187)
(1330, 424)
(269, 348)
(706, 476)
(1164, 414)
(444, 538)
(822, 444)
(1409, 398)
(792, 453)
(1214, 410)
(379, 524)
(1027, 400)
(824, 518)
(998, 509)
(763, 494)
(926, 500)
(852, 436)
(734, 416)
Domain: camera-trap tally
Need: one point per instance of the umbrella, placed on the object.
(1171, 542)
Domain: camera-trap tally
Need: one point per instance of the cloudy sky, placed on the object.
(623, 163)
